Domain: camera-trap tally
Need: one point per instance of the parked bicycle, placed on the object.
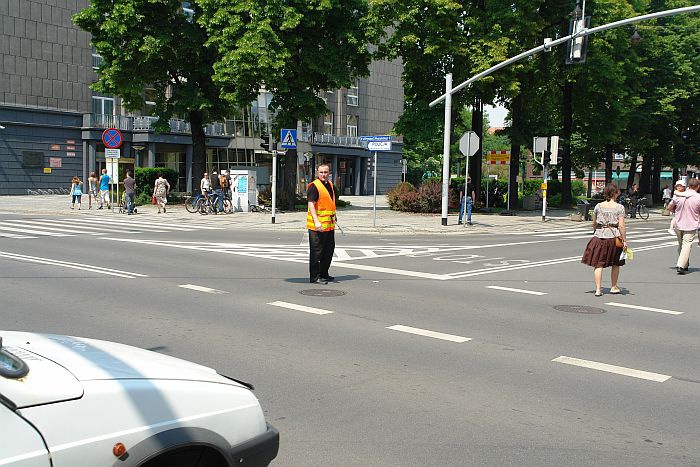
(208, 204)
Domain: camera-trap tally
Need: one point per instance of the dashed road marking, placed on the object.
(620, 370)
(305, 309)
(427, 333)
(508, 289)
(645, 308)
(199, 288)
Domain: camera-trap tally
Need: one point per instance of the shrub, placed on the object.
(578, 188)
(397, 192)
(408, 201)
(146, 178)
(430, 196)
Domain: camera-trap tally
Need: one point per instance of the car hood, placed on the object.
(58, 363)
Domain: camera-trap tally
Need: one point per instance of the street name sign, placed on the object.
(379, 145)
(375, 138)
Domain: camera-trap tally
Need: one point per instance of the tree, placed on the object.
(155, 43)
(295, 48)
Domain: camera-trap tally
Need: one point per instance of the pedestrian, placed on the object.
(225, 183)
(667, 196)
(679, 190)
(609, 240)
(467, 201)
(161, 189)
(686, 211)
(216, 189)
(320, 222)
(76, 191)
(92, 189)
(129, 192)
(633, 195)
(205, 185)
(104, 190)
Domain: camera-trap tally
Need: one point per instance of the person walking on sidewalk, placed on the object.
(104, 190)
(320, 222)
(76, 191)
(129, 192)
(686, 211)
(466, 200)
(92, 189)
(161, 188)
(602, 251)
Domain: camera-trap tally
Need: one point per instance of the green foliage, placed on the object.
(531, 187)
(145, 180)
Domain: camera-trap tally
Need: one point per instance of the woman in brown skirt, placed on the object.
(601, 251)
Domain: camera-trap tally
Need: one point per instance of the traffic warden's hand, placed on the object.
(319, 226)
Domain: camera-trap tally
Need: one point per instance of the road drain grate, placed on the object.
(590, 310)
(322, 292)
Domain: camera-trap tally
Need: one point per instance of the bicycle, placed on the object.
(191, 203)
(639, 210)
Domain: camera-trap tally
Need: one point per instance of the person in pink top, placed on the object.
(687, 217)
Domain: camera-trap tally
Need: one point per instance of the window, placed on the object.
(353, 96)
(102, 105)
(150, 98)
(351, 125)
(328, 123)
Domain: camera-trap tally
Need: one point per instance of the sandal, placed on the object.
(614, 290)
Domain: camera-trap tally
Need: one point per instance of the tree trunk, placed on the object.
(199, 148)
(632, 172)
(645, 177)
(289, 180)
(656, 176)
(516, 112)
(608, 163)
(566, 143)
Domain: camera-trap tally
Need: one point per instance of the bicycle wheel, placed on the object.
(202, 206)
(643, 212)
(190, 204)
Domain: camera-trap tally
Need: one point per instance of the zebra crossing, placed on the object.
(95, 224)
(635, 234)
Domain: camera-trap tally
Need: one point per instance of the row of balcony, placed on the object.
(179, 126)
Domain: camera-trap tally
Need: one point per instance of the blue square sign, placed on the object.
(288, 139)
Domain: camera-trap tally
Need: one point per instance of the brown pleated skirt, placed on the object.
(602, 253)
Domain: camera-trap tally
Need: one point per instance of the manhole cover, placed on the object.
(322, 292)
(591, 310)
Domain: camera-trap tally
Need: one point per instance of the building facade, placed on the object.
(53, 122)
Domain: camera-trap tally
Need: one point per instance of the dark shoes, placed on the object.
(328, 278)
(681, 271)
(318, 281)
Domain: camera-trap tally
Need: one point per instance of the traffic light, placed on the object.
(553, 150)
(265, 144)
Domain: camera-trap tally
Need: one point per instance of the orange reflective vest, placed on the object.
(325, 208)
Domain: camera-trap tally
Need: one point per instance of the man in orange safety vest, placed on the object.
(320, 222)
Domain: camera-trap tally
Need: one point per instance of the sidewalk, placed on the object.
(358, 218)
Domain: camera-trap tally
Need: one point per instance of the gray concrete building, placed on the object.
(53, 122)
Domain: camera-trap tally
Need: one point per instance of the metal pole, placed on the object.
(545, 167)
(466, 176)
(374, 207)
(274, 184)
(446, 146)
(488, 179)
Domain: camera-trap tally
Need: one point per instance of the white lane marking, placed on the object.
(66, 264)
(145, 224)
(653, 239)
(199, 288)
(341, 254)
(478, 272)
(645, 308)
(306, 309)
(43, 225)
(508, 289)
(620, 370)
(9, 235)
(61, 223)
(34, 231)
(426, 333)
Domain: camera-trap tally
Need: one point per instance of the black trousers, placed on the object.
(321, 248)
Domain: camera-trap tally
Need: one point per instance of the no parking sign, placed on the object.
(112, 138)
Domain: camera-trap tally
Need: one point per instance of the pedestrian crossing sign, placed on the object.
(288, 138)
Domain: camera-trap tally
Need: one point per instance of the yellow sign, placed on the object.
(127, 160)
(544, 194)
(47, 170)
(543, 186)
(498, 157)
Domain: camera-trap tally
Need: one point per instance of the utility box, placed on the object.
(245, 190)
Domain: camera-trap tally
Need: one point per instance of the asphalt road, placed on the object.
(437, 350)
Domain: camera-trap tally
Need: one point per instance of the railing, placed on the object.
(97, 61)
(145, 123)
(107, 121)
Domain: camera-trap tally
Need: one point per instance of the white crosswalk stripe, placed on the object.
(94, 224)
